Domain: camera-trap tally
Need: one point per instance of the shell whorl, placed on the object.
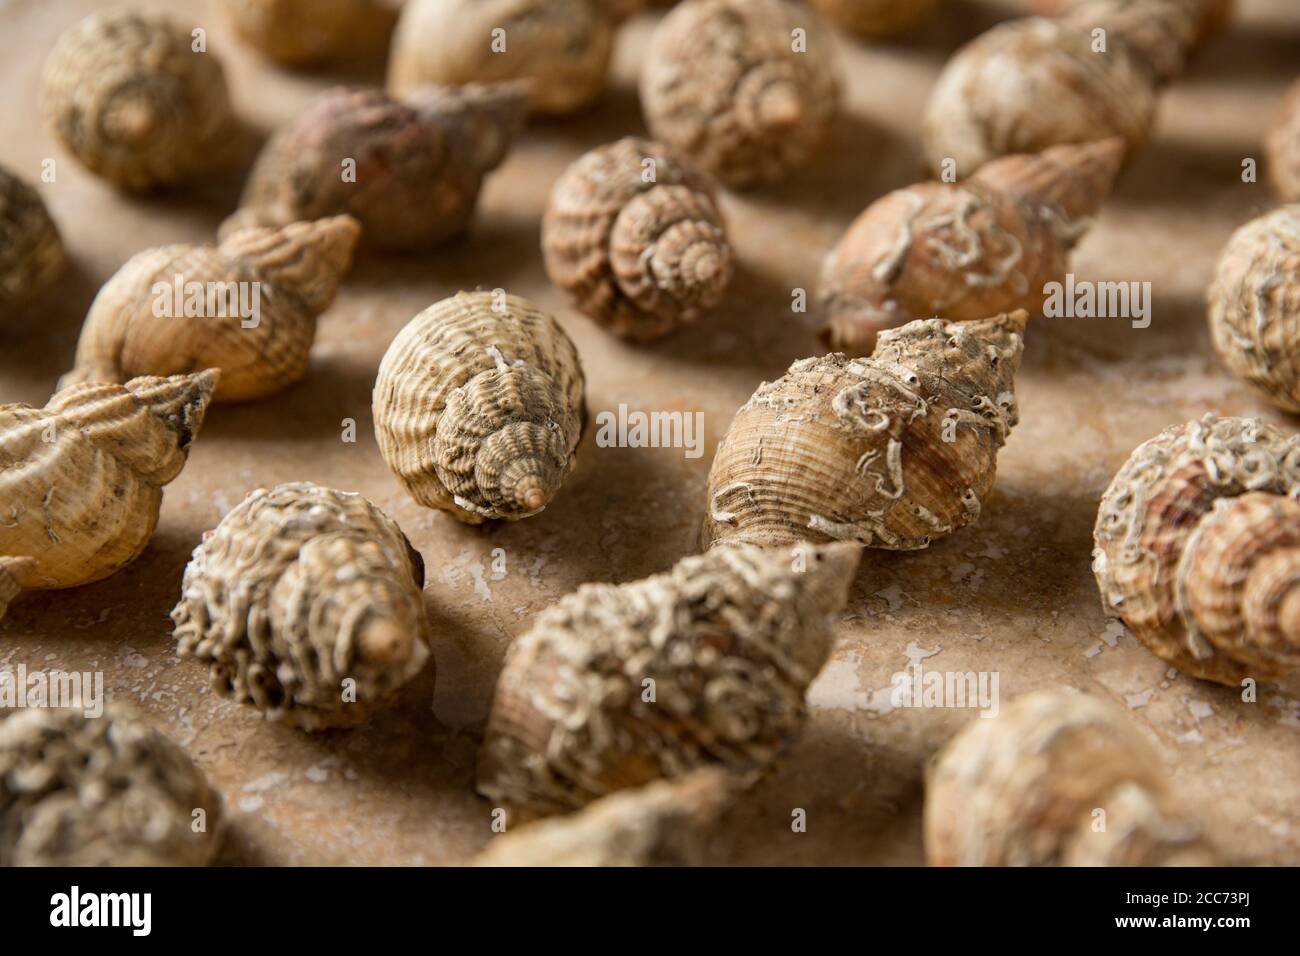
(1159, 34)
(31, 251)
(304, 260)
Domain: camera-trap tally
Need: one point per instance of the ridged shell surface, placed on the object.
(31, 252)
(876, 18)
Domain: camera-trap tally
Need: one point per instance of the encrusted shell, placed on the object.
(1198, 548)
(891, 451)
(479, 407)
(635, 236)
(561, 48)
(1284, 149)
(31, 252)
(619, 685)
(876, 18)
(965, 250)
(128, 95)
(416, 167)
(304, 32)
(100, 791)
(1059, 778)
(13, 572)
(725, 85)
(307, 604)
(81, 479)
(247, 307)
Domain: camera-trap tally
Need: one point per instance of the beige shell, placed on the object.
(125, 92)
(723, 85)
(100, 791)
(635, 236)
(1212, 16)
(479, 407)
(1025, 789)
(891, 451)
(13, 572)
(31, 252)
(964, 250)
(729, 642)
(1198, 548)
(1284, 149)
(561, 48)
(297, 592)
(81, 479)
(876, 18)
(418, 165)
(247, 307)
(305, 32)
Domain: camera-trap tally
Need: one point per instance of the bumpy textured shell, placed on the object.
(301, 32)
(1284, 149)
(723, 85)
(298, 590)
(731, 640)
(479, 407)
(31, 252)
(128, 96)
(876, 18)
(106, 791)
(130, 329)
(13, 572)
(418, 165)
(1254, 305)
(1021, 789)
(891, 451)
(81, 479)
(560, 47)
(1198, 548)
(964, 250)
(640, 257)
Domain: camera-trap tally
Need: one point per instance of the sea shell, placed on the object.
(891, 451)
(1284, 149)
(247, 306)
(634, 235)
(305, 32)
(1198, 548)
(876, 18)
(13, 572)
(307, 604)
(479, 407)
(724, 85)
(418, 166)
(1210, 16)
(31, 252)
(964, 250)
(619, 685)
(81, 479)
(126, 93)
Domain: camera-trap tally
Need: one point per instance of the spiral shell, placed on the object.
(418, 165)
(81, 479)
(724, 85)
(892, 451)
(1198, 549)
(561, 48)
(305, 32)
(13, 571)
(635, 236)
(619, 685)
(1284, 149)
(876, 18)
(1029, 787)
(31, 252)
(126, 93)
(307, 604)
(247, 307)
(479, 407)
(964, 250)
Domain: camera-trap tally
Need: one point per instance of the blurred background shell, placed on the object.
(31, 250)
(299, 33)
(876, 18)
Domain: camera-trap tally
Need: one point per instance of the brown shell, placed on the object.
(305, 32)
(876, 18)
(723, 85)
(138, 325)
(299, 590)
(418, 165)
(81, 479)
(729, 641)
(1211, 16)
(13, 572)
(31, 252)
(892, 451)
(1284, 149)
(640, 257)
(479, 407)
(1025, 789)
(964, 250)
(127, 95)
(1197, 548)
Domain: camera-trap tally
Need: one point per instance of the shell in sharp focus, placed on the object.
(306, 32)
(31, 251)
(890, 451)
(730, 641)
(723, 85)
(1284, 149)
(81, 479)
(640, 257)
(1024, 788)
(299, 590)
(127, 95)
(1202, 581)
(876, 18)
(561, 48)
(479, 407)
(247, 307)
(77, 790)
(13, 572)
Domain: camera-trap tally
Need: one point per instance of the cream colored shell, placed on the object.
(305, 32)
(876, 18)
(31, 252)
